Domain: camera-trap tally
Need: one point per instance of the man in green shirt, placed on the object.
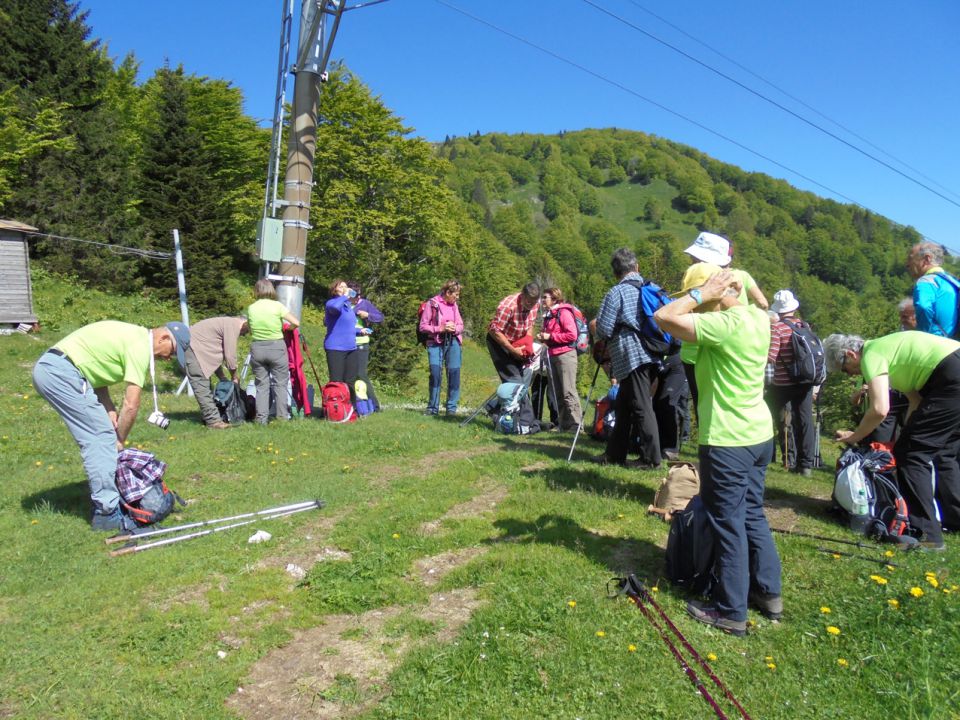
(736, 442)
(925, 368)
(75, 376)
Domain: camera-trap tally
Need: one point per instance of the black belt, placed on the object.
(61, 353)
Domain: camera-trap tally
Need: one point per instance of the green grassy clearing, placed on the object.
(534, 541)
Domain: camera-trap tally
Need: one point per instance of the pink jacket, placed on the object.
(562, 328)
(437, 313)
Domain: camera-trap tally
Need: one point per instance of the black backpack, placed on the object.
(690, 552)
(809, 361)
(232, 402)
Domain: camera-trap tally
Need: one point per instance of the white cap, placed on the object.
(784, 302)
(710, 248)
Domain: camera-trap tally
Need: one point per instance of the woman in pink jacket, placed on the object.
(560, 335)
(442, 323)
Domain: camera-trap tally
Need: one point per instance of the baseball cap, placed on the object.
(181, 338)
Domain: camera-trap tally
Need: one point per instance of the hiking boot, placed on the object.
(671, 455)
(708, 615)
(431, 412)
(641, 465)
(931, 546)
(107, 523)
(770, 606)
(219, 425)
(602, 459)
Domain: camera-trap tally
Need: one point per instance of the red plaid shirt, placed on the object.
(512, 320)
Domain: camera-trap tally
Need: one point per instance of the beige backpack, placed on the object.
(681, 484)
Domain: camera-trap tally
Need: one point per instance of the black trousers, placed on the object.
(635, 415)
(670, 403)
(888, 430)
(803, 426)
(511, 370)
(931, 438)
(342, 367)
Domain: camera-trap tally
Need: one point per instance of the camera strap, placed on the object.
(153, 378)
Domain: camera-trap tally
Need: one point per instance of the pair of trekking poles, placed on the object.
(133, 540)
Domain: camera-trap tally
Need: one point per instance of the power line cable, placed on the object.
(118, 249)
(773, 102)
(779, 89)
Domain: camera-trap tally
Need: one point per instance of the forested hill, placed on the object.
(564, 202)
(88, 152)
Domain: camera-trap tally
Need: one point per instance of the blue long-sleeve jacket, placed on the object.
(935, 303)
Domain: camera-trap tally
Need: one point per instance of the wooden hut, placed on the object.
(16, 292)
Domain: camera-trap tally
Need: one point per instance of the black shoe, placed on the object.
(770, 606)
(641, 465)
(708, 615)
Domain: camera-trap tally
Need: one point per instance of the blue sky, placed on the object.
(886, 70)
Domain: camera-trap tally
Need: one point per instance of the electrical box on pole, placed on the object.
(270, 240)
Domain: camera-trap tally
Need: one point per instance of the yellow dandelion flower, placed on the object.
(888, 553)
(946, 591)
(26, 397)
(396, 536)
(601, 633)
(836, 556)
(772, 666)
(345, 468)
(711, 656)
(769, 658)
(879, 579)
(751, 623)
(954, 588)
(916, 592)
(825, 610)
(34, 522)
(890, 568)
(38, 463)
(571, 603)
(631, 648)
(172, 437)
(833, 630)
(273, 462)
(620, 516)
(654, 589)
(929, 572)
(259, 448)
(894, 603)
(933, 581)
(842, 662)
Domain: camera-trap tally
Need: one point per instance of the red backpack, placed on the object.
(337, 407)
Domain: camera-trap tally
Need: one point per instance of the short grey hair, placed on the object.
(904, 304)
(623, 261)
(933, 250)
(835, 349)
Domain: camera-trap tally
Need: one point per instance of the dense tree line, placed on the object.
(86, 151)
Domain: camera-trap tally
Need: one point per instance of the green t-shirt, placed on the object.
(730, 366)
(109, 351)
(907, 357)
(266, 320)
(688, 352)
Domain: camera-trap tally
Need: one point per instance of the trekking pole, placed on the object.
(859, 543)
(638, 594)
(190, 536)
(832, 551)
(307, 504)
(306, 352)
(477, 411)
(576, 435)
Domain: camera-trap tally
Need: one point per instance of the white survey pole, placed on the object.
(182, 288)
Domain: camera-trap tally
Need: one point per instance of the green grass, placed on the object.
(89, 636)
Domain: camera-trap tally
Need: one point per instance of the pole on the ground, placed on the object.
(583, 413)
(477, 411)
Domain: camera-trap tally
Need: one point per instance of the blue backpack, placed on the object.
(654, 340)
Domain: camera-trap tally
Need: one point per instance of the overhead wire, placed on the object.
(117, 249)
(784, 92)
(769, 100)
(675, 113)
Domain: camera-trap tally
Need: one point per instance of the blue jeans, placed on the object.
(68, 392)
(731, 486)
(449, 355)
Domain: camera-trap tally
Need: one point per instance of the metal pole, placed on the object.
(182, 289)
(583, 414)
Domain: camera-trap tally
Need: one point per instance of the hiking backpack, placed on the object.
(678, 488)
(690, 550)
(422, 335)
(337, 407)
(364, 404)
(809, 361)
(866, 488)
(143, 494)
(582, 342)
(506, 418)
(654, 340)
(232, 402)
(604, 418)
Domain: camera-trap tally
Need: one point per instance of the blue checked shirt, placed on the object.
(620, 309)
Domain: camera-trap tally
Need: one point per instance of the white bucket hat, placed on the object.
(710, 248)
(784, 302)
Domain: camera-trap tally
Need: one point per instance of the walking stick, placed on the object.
(202, 523)
(306, 352)
(477, 411)
(190, 536)
(576, 435)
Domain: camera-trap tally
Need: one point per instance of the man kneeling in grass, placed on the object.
(736, 442)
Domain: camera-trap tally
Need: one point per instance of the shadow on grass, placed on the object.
(619, 555)
(70, 499)
(594, 480)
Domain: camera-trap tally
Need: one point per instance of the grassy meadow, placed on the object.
(453, 573)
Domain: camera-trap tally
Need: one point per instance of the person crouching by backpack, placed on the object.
(787, 389)
(75, 376)
(926, 368)
(736, 444)
(510, 343)
(213, 344)
(443, 325)
(632, 366)
(559, 334)
(340, 342)
(367, 313)
(268, 352)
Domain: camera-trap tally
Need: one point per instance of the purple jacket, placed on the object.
(341, 323)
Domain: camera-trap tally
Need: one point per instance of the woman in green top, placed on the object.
(925, 368)
(268, 352)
